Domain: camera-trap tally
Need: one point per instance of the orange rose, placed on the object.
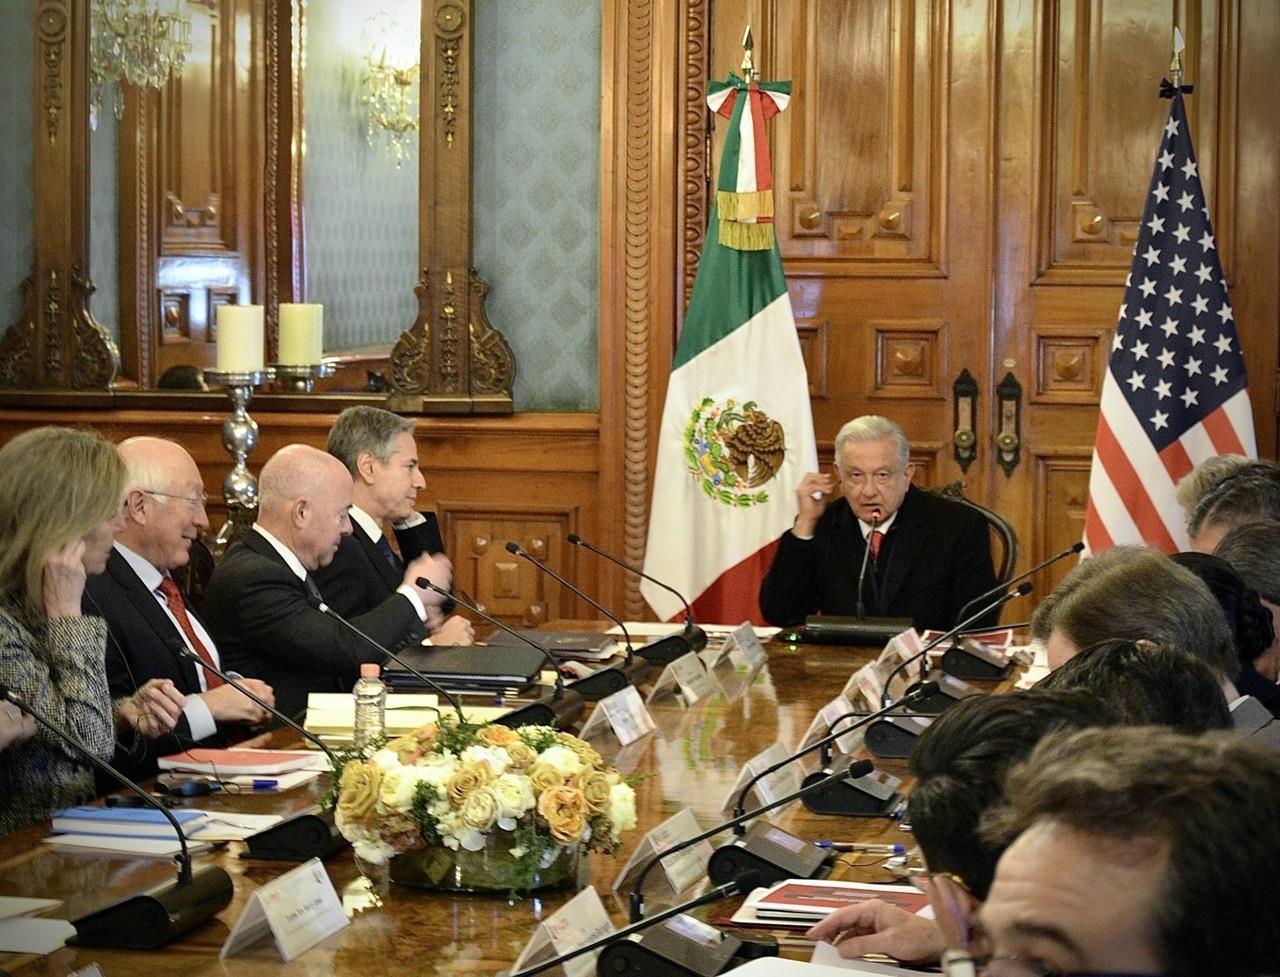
(565, 811)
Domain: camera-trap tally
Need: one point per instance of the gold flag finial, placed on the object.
(749, 72)
(1175, 65)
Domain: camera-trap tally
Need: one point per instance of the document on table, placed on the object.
(11, 906)
(23, 934)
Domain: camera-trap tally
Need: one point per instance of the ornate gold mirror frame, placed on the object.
(450, 360)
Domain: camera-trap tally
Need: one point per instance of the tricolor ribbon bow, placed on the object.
(744, 192)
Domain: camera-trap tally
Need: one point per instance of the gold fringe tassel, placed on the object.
(746, 237)
(751, 205)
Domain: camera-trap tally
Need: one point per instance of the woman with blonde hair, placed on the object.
(61, 498)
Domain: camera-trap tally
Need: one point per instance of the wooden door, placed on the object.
(958, 186)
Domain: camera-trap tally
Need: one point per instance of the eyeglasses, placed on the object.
(881, 479)
(198, 502)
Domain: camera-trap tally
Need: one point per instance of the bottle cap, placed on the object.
(369, 670)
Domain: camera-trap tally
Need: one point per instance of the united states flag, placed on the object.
(1175, 392)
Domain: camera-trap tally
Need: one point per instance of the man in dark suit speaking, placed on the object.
(379, 452)
(929, 555)
(259, 602)
(151, 624)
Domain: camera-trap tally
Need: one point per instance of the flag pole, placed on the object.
(749, 72)
(1175, 65)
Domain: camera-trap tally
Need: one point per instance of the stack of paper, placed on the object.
(20, 932)
(802, 902)
(229, 763)
(125, 830)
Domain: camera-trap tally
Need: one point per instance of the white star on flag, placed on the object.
(1160, 420)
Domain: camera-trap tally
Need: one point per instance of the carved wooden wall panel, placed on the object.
(1069, 364)
(1062, 491)
(910, 358)
(860, 153)
(1097, 131)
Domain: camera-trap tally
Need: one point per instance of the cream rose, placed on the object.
(622, 809)
(480, 809)
(467, 778)
(543, 777)
(515, 797)
(397, 788)
(521, 755)
(595, 789)
(494, 757)
(561, 759)
(358, 790)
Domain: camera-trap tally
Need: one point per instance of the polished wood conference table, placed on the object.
(692, 760)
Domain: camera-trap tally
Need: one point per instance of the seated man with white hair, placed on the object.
(261, 601)
(929, 555)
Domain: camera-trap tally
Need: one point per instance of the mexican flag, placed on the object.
(737, 431)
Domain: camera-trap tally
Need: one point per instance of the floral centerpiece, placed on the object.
(483, 806)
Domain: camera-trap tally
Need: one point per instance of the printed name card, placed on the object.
(823, 723)
(299, 909)
(684, 867)
(579, 921)
(686, 676)
(625, 713)
(867, 683)
(744, 636)
(783, 781)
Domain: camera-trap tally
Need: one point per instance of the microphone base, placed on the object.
(667, 649)
(973, 661)
(872, 796)
(298, 839)
(667, 951)
(874, 632)
(152, 918)
(772, 852)
(893, 737)
(606, 681)
(547, 711)
(950, 691)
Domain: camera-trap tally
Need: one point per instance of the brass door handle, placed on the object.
(965, 400)
(1009, 424)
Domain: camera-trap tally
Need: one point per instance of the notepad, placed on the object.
(111, 844)
(809, 900)
(40, 936)
(227, 763)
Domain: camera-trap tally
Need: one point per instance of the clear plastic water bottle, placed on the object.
(371, 703)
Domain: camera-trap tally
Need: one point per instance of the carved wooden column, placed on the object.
(56, 342)
(451, 360)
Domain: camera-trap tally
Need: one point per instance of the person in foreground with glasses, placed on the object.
(1135, 851)
(959, 763)
(929, 556)
(152, 622)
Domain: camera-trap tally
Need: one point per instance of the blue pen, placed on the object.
(858, 846)
(266, 784)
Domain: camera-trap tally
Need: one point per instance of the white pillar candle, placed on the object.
(301, 333)
(240, 338)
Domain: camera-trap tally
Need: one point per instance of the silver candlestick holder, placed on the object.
(239, 437)
(300, 378)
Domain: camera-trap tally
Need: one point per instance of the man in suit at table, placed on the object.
(261, 602)
(379, 452)
(929, 555)
(151, 624)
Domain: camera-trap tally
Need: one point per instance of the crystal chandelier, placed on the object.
(390, 88)
(135, 42)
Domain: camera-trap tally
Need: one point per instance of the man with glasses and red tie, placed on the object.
(928, 555)
(149, 618)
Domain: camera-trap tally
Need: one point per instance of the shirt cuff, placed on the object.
(417, 519)
(199, 718)
(414, 599)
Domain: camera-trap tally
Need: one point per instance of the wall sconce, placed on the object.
(138, 42)
(390, 86)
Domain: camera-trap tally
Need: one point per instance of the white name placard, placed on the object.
(744, 636)
(686, 676)
(683, 868)
(822, 724)
(785, 780)
(299, 909)
(625, 713)
(579, 921)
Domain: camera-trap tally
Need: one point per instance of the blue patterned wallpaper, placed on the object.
(536, 192)
(17, 167)
(104, 252)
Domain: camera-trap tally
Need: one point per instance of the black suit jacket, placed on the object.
(142, 644)
(259, 614)
(360, 578)
(938, 556)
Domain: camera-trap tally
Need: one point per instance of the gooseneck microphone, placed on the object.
(876, 516)
(887, 695)
(566, 706)
(923, 691)
(604, 682)
(318, 603)
(1069, 551)
(692, 639)
(153, 917)
(742, 885)
(856, 769)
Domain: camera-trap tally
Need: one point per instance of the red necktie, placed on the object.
(173, 597)
(874, 542)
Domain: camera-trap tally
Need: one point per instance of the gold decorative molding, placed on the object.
(51, 24)
(95, 361)
(493, 365)
(696, 141)
(18, 346)
(411, 355)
